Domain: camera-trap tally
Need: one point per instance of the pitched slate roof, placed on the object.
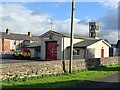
(63, 34)
(113, 45)
(118, 43)
(34, 44)
(49, 32)
(14, 36)
(86, 43)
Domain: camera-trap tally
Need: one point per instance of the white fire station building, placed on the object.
(56, 46)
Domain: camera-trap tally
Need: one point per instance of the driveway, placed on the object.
(112, 81)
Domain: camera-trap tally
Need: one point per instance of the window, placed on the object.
(76, 52)
(15, 43)
(38, 50)
(92, 34)
(92, 27)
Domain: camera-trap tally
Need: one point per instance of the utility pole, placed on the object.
(71, 37)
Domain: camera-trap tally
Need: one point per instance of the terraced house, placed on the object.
(11, 41)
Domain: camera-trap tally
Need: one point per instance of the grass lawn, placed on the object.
(61, 80)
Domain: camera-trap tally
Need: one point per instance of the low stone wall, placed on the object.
(30, 69)
(110, 60)
(38, 68)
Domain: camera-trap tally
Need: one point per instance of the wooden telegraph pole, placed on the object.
(71, 37)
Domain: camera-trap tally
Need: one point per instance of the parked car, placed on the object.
(22, 54)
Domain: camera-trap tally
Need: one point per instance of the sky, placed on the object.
(22, 17)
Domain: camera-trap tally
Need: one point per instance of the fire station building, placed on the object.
(56, 46)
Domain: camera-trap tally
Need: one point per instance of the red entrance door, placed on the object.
(102, 53)
(51, 50)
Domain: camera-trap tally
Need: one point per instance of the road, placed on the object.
(8, 61)
(112, 81)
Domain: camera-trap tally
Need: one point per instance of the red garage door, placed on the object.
(51, 50)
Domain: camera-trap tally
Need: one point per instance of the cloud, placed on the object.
(21, 20)
(64, 26)
(86, 20)
(36, 12)
(109, 26)
(110, 3)
(111, 36)
(110, 21)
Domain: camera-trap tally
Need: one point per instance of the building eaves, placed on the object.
(85, 43)
(34, 45)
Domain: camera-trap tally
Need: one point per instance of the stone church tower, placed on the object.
(94, 30)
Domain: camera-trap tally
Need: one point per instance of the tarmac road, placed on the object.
(8, 61)
(112, 81)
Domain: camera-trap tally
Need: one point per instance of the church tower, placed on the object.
(94, 30)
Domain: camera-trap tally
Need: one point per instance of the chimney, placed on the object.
(29, 34)
(7, 31)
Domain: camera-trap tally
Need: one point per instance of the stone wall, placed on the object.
(38, 68)
(110, 60)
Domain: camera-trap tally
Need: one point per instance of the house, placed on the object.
(115, 49)
(118, 47)
(12, 41)
(118, 44)
(56, 46)
(91, 49)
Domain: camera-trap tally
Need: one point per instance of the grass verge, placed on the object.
(60, 80)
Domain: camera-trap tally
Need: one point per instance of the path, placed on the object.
(112, 81)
